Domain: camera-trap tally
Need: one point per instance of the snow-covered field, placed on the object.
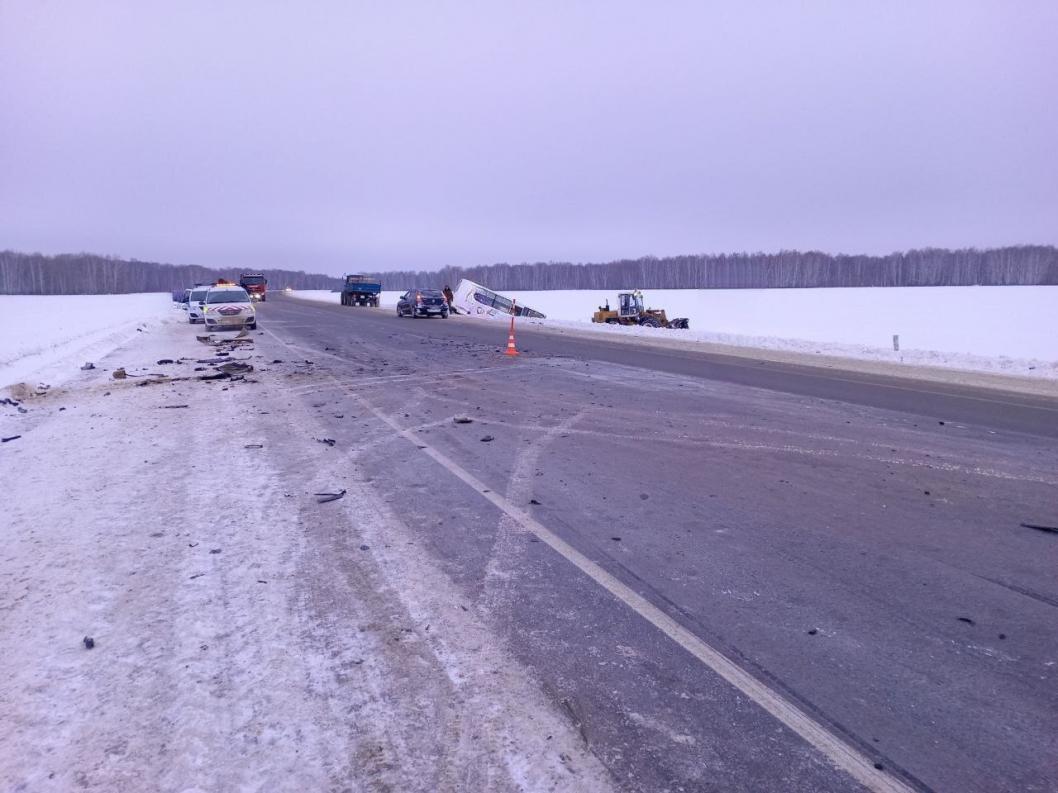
(47, 338)
(1005, 329)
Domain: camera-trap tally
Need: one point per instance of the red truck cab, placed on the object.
(256, 284)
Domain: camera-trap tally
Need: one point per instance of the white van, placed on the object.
(196, 301)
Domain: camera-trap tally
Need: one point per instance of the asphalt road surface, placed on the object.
(729, 575)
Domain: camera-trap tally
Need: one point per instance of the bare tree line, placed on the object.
(87, 274)
(22, 273)
(1015, 265)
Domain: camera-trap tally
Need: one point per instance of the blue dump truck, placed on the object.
(361, 290)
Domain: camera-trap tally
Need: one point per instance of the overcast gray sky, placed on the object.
(339, 136)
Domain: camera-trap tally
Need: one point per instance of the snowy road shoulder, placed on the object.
(46, 338)
(242, 633)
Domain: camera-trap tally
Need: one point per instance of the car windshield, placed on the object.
(227, 296)
(199, 294)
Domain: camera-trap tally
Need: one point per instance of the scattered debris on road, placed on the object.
(89, 642)
(164, 361)
(534, 502)
(967, 620)
(88, 366)
(487, 439)
(328, 441)
(463, 420)
(1041, 527)
(323, 498)
(254, 446)
(119, 373)
(10, 438)
(224, 344)
(173, 407)
(235, 367)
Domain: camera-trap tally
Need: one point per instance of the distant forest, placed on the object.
(87, 274)
(1015, 265)
(82, 273)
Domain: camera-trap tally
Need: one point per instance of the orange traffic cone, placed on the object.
(511, 349)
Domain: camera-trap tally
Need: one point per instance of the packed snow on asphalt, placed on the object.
(182, 613)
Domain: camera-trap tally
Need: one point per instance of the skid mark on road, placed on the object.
(445, 707)
(805, 451)
(835, 749)
(506, 549)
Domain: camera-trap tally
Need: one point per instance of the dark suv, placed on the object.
(422, 303)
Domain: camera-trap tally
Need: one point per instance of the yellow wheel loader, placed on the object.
(630, 311)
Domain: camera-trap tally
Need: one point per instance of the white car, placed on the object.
(196, 301)
(229, 306)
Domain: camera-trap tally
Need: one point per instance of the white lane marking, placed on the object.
(838, 752)
(754, 364)
(373, 380)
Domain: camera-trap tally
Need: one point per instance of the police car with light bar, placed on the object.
(228, 305)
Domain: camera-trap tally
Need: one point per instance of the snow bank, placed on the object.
(1005, 329)
(47, 338)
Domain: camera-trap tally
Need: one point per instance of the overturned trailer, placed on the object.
(478, 301)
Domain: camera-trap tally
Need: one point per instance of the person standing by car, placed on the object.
(449, 297)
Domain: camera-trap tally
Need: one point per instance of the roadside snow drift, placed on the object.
(1005, 329)
(48, 337)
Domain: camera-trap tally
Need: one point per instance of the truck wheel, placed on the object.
(611, 321)
(650, 322)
